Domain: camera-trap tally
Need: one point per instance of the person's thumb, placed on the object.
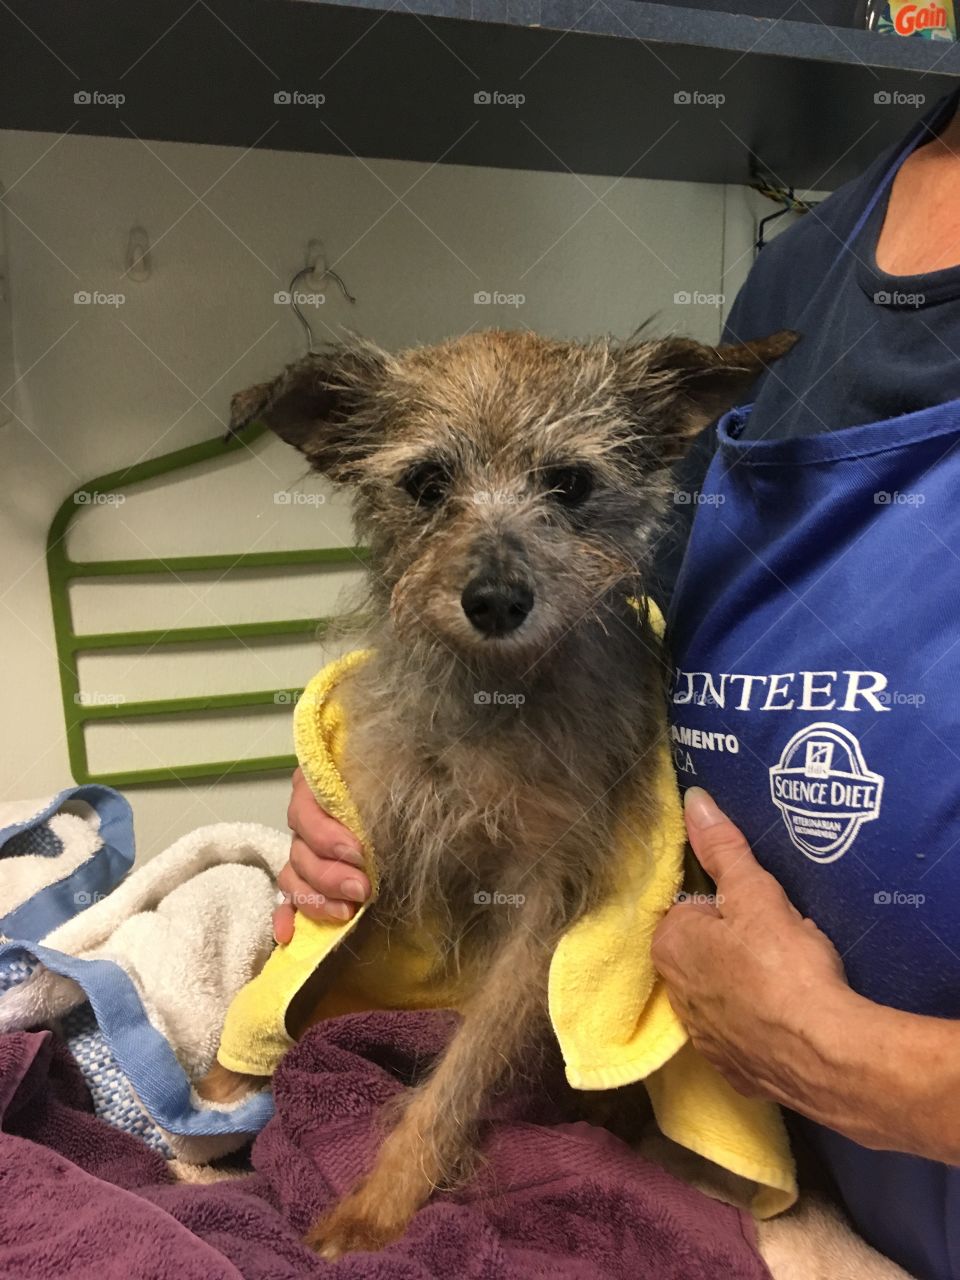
(721, 847)
(724, 853)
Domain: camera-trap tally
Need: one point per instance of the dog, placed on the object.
(510, 489)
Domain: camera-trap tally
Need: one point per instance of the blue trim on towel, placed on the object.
(144, 1056)
(93, 879)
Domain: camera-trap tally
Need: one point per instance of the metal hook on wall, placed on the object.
(318, 268)
(138, 264)
(789, 202)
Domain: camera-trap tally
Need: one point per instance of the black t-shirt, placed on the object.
(873, 346)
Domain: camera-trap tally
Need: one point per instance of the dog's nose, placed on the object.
(495, 607)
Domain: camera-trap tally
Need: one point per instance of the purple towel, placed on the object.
(552, 1199)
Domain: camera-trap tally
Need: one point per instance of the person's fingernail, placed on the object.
(340, 910)
(346, 852)
(352, 890)
(701, 809)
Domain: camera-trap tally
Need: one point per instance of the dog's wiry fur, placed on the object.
(497, 764)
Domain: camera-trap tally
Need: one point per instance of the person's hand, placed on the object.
(763, 995)
(323, 877)
(748, 976)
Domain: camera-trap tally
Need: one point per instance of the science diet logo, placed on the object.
(824, 790)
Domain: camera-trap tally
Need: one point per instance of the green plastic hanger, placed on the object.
(62, 571)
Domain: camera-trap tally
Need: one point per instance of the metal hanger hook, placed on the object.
(325, 272)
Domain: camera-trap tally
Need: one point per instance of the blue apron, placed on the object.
(815, 633)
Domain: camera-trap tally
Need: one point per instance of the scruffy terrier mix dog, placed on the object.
(509, 488)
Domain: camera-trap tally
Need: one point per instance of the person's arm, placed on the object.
(763, 994)
(323, 877)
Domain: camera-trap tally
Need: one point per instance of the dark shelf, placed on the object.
(399, 79)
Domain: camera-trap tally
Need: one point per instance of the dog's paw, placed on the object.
(223, 1086)
(354, 1226)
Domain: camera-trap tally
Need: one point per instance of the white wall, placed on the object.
(87, 389)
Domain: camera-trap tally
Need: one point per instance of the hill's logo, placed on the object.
(824, 790)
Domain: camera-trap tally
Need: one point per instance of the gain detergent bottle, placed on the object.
(933, 20)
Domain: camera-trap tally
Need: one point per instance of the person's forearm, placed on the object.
(886, 1079)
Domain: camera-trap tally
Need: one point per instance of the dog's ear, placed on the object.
(324, 405)
(677, 386)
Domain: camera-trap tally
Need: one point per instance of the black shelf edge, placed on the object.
(620, 87)
(691, 26)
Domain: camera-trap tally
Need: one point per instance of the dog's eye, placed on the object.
(569, 486)
(426, 483)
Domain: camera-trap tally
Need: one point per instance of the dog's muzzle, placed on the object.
(496, 608)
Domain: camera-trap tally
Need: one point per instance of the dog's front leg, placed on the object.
(222, 1085)
(436, 1128)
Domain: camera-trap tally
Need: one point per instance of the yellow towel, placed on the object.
(608, 1006)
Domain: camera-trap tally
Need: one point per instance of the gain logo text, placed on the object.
(824, 790)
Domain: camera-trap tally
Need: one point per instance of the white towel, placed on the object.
(180, 936)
